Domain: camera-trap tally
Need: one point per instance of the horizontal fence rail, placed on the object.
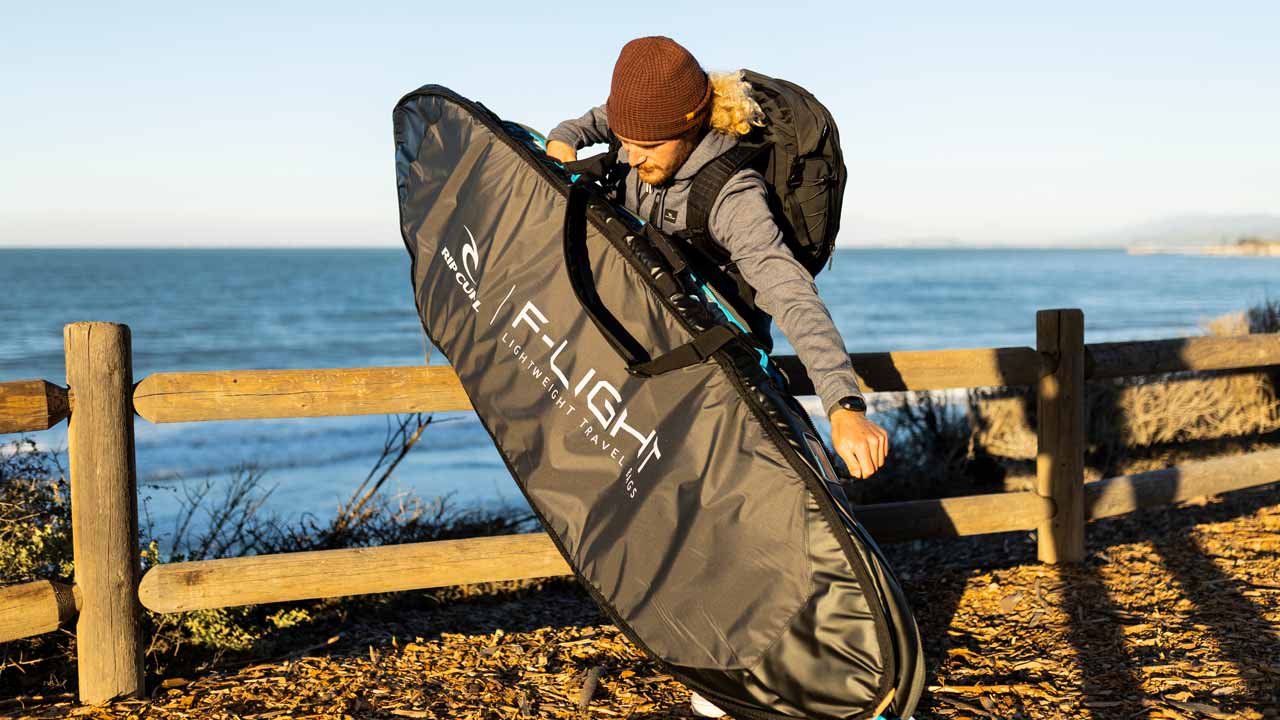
(257, 394)
(929, 369)
(261, 394)
(36, 608)
(32, 405)
(1124, 494)
(1152, 357)
(208, 584)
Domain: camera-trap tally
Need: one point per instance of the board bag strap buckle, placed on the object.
(693, 352)
(628, 348)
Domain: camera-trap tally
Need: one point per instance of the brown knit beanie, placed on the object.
(658, 91)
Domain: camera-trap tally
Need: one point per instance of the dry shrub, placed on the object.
(1176, 409)
(932, 454)
(1132, 416)
(1229, 325)
(1265, 318)
(215, 521)
(1004, 421)
(1140, 412)
(1261, 318)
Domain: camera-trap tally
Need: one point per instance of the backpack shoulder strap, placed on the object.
(713, 260)
(706, 187)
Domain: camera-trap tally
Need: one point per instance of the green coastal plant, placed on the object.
(35, 544)
(35, 514)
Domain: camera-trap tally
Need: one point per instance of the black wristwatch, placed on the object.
(853, 402)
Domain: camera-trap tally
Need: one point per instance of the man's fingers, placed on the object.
(874, 452)
(866, 457)
(863, 446)
(845, 452)
(858, 460)
(564, 152)
(855, 467)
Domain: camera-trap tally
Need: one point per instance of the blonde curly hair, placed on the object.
(733, 110)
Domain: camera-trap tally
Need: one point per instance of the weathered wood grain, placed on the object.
(246, 394)
(928, 369)
(333, 573)
(31, 405)
(955, 516)
(104, 511)
(35, 608)
(1114, 359)
(355, 571)
(1126, 493)
(1060, 433)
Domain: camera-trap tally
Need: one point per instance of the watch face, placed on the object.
(852, 402)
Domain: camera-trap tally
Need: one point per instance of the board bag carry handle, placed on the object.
(577, 264)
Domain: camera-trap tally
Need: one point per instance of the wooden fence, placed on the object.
(108, 595)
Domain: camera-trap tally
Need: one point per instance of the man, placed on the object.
(660, 107)
(671, 119)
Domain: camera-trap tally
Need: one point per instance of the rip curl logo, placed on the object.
(464, 272)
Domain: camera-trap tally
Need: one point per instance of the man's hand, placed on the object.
(859, 442)
(561, 151)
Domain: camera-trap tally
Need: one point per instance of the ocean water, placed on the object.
(310, 308)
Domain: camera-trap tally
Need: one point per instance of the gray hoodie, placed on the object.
(740, 220)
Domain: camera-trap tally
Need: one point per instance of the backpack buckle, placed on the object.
(795, 178)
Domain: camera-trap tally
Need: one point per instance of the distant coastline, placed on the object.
(1244, 246)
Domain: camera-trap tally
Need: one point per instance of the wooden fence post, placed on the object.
(104, 510)
(1061, 434)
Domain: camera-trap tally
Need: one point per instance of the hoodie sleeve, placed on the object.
(741, 221)
(590, 129)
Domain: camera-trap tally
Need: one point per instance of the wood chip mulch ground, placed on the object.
(1184, 623)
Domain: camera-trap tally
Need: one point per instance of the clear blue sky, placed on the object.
(265, 123)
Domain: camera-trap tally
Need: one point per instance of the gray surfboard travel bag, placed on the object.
(685, 488)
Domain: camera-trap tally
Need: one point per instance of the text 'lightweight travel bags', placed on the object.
(688, 492)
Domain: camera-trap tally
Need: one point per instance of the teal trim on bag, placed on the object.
(715, 300)
(535, 141)
(524, 134)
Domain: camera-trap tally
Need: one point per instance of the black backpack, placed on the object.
(798, 153)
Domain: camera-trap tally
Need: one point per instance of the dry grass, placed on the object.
(1131, 418)
(1139, 413)
(932, 454)
(1228, 325)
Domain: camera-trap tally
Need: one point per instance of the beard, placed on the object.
(652, 174)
